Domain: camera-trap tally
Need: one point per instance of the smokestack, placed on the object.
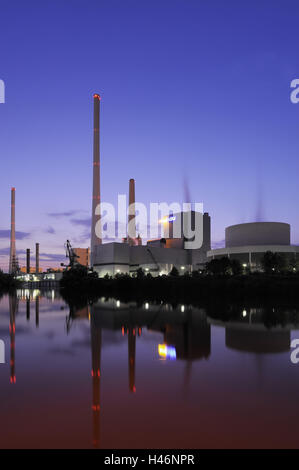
(96, 239)
(28, 261)
(37, 258)
(13, 256)
(131, 213)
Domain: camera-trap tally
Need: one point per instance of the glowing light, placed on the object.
(167, 352)
(118, 303)
(146, 306)
(182, 308)
(244, 313)
(166, 220)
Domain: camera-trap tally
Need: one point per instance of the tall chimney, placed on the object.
(28, 261)
(37, 258)
(96, 239)
(131, 213)
(13, 256)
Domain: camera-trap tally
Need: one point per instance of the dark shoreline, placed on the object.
(260, 289)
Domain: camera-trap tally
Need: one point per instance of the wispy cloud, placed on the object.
(59, 257)
(50, 230)
(86, 222)
(219, 244)
(19, 235)
(83, 238)
(63, 214)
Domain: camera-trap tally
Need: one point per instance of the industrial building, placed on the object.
(250, 241)
(83, 256)
(157, 256)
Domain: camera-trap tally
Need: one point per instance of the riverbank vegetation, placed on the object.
(7, 282)
(222, 279)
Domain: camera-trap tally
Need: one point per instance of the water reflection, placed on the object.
(182, 337)
(13, 307)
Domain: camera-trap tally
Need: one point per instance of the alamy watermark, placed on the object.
(2, 92)
(2, 352)
(295, 352)
(173, 220)
(295, 93)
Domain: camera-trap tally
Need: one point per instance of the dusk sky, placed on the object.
(194, 92)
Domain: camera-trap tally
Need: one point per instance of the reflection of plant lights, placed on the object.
(167, 352)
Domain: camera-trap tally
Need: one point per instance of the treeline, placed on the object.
(208, 285)
(271, 263)
(7, 282)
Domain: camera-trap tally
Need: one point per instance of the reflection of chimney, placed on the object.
(12, 330)
(28, 261)
(37, 311)
(96, 345)
(13, 255)
(96, 240)
(28, 308)
(132, 353)
(37, 258)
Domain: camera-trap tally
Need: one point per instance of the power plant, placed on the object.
(157, 256)
(246, 242)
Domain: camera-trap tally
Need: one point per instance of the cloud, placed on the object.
(83, 238)
(50, 230)
(52, 257)
(19, 235)
(86, 222)
(63, 214)
(220, 244)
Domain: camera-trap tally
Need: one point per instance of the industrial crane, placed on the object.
(154, 260)
(71, 255)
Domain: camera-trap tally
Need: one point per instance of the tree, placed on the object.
(236, 267)
(140, 273)
(219, 266)
(174, 272)
(272, 262)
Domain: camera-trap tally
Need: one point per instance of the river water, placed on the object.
(116, 375)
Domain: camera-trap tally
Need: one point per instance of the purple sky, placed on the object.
(192, 90)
